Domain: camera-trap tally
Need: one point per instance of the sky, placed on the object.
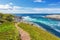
(30, 6)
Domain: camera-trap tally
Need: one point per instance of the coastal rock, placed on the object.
(57, 17)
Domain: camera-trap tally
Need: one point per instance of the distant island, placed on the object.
(57, 17)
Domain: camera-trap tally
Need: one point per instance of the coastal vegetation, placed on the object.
(8, 30)
(6, 17)
(37, 33)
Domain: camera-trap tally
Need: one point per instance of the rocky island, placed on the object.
(56, 17)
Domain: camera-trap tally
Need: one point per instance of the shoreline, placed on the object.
(34, 24)
(29, 23)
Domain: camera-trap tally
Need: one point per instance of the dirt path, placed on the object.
(24, 34)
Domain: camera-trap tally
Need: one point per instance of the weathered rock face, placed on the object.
(17, 19)
(57, 17)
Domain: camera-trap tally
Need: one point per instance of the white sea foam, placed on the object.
(50, 23)
(57, 30)
(27, 18)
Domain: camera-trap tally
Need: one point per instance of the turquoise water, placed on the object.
(50, 25)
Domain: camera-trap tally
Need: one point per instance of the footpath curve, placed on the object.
(23, 34)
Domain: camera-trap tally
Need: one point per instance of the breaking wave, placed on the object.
(53, 24)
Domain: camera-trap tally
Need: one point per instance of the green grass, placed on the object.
(8, 31)
(37, 33)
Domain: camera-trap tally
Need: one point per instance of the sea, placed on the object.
(51, 25)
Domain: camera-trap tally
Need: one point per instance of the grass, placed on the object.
(37, 33)
(8, 31)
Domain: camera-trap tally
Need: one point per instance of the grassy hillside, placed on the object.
(6, 17)
(7, 28)
(8, 32)
(37, 33)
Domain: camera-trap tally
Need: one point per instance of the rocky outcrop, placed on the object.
(57, 17)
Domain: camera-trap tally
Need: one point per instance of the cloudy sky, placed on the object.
(30, 6)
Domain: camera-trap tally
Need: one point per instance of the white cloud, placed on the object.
(10, 3)
(16, 7)
(54, 4)
(7, 8)
(34, 10)
(39, 1)
(47, 10)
